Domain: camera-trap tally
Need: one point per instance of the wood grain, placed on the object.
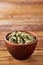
(23, 1)
(11, 25)
(10, 10)
(21, 15)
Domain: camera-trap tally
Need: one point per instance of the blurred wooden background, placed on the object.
(21, 15)
(23, 1)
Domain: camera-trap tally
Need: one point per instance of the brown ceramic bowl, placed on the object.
(22, 51)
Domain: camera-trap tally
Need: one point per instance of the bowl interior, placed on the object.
(29, 32)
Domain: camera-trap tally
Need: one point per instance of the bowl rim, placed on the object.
(29, 43)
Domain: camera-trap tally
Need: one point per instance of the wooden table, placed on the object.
(22, 16)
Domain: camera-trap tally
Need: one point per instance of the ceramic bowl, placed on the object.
(22, 51)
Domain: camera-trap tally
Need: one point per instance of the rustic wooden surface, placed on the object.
(21, 17)
(22, 1)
